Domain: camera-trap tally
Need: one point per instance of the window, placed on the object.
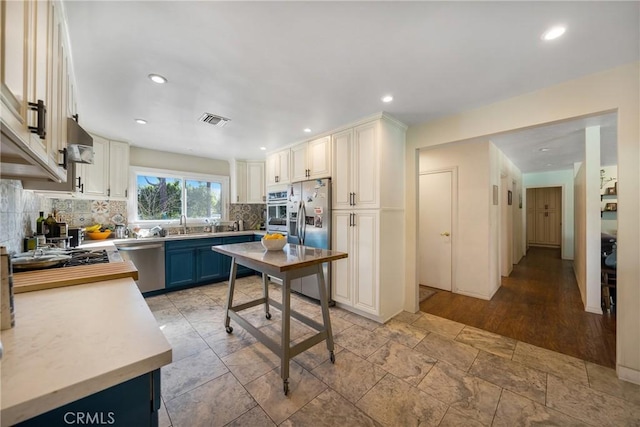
(166, 195)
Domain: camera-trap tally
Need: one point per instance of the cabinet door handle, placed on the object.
(354, 220)
(108, 192)
(237, 198)
(64, 158)
(126, 193)
(41, 120)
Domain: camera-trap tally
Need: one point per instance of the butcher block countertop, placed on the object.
(73, 341)
(58, 277)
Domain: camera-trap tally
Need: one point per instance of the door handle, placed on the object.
(445, 234)
(41, 111)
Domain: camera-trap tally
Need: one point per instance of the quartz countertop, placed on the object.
(71, 342)
(95, 244)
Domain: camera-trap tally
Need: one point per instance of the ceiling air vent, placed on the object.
(212, 119)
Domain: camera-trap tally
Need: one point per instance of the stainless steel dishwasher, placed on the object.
(148, 257)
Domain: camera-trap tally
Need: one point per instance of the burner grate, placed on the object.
(86, 258)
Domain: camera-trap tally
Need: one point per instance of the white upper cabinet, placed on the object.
(108, 176)
(367, 166)
(247, 181)
(34, 89)
(311, 160)
(278, 168)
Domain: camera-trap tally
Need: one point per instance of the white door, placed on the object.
(435, 213)
(341, 269)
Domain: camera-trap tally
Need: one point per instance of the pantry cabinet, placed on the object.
(35, 88)
(278, 167)
(247, 181)
(368, 217)
(311, 160)
(108, 176)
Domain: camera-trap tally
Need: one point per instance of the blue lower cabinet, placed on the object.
(180, 267)
(242, 270)
(209, 265)
(133, 403)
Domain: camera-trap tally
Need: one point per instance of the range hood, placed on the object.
(79, 143)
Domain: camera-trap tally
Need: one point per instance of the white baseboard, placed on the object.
(593, 309)
(628, 374)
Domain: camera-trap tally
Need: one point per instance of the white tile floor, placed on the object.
(417, 369)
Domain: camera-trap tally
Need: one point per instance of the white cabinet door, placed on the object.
(13, 65)
(319, 158)
(365, 261)
(255, 188)
(238, 181)
(366, 167)
(278, 168)
(284, 175)
(299, 169)
(95, 177)
(341, 269)
(118, 169)
(342, 151)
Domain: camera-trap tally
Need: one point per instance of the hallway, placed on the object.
(539, 304)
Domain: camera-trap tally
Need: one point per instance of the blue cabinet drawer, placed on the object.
(191, 243)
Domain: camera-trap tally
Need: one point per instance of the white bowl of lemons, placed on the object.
(274, 242)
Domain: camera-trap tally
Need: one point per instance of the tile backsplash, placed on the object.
(251, 214)
(83, 213)
(18, 213)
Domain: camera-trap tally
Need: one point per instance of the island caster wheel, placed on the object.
(332, 357)
(268, 315)
(229, 329)
(285, 387)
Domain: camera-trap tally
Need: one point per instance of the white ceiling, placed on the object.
(275, 68)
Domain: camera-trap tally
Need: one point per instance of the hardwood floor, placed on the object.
(539, 304)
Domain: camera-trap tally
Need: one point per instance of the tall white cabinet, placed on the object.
(368, 217)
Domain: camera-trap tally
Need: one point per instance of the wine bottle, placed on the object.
(39, 223)
(51, 224)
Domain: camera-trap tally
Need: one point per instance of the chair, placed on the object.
(607, 284)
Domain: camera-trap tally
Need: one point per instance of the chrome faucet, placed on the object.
(183, 223)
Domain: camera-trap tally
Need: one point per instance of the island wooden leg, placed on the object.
(324, 304)
(232, 284)
(265, 294)
(285, 344)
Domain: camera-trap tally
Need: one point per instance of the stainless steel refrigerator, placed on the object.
(309, 224)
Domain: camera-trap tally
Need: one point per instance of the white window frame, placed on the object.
(132, 203)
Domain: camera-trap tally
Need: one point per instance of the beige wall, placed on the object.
(470, 227)
(618, 90)
(178, 162)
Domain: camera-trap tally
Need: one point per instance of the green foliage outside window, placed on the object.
(161, 198)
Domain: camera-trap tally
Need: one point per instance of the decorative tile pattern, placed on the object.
(251, 214)
(18, 213)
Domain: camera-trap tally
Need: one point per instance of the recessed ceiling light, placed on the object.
(157, 78)
(141, 121)
(544, 149)
(307, 130)
(553, 32)
(387, 98)
(263, 148)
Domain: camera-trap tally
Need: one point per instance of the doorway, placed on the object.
(544, 217)
(435, 228)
